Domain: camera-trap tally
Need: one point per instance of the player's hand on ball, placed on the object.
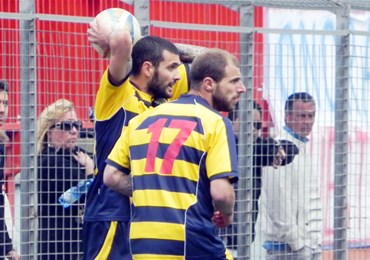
(221, 220)
(113, 29)
(97, 37)
(120, 42)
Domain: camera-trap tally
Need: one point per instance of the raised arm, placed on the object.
(188, 52)
(117, 46)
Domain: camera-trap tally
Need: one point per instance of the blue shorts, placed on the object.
(106, 240)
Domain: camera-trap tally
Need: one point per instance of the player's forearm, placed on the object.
(120, 60)
(188, 52)
(223, 196)
(118, 181)
(124, 186)
(225, 205)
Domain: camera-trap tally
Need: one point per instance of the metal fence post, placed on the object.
(341, 133)
(28, 132)
(244, 191)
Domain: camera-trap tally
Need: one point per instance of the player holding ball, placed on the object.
(138, 77)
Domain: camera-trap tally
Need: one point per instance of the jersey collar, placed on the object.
(295, 135)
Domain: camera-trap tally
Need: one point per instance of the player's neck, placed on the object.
(140, 83)
(202, 94)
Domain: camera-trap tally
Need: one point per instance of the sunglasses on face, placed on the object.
(68, 125)
(257, 125)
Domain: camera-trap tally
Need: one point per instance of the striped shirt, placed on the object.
(173, 152)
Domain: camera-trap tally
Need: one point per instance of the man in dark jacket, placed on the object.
(266, 152)
(6, 247)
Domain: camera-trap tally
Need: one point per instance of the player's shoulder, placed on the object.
(107, 83)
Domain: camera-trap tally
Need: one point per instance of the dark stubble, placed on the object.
(157, 87)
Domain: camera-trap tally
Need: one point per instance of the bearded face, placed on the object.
(159, 87)
(165, 76)
(221, 101)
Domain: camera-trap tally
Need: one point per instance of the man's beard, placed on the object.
(157, 87)
(220, 102)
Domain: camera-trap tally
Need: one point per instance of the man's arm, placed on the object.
(188, 52)
(117, 180)
(270, 152)
(120, 59)
(223, 196)
(118, 45)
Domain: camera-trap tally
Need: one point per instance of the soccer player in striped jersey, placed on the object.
(181, 159)
(136, 78)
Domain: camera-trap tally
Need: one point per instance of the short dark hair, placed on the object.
(4, 85)
(210, 63)
(150, 48)
(301, 96)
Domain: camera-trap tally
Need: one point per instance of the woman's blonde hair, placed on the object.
(48, 118)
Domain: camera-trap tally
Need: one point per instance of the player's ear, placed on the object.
(209, 84)
(147, 68)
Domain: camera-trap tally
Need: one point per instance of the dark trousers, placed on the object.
(5, 241)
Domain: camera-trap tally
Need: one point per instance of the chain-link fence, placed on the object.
(314, 46)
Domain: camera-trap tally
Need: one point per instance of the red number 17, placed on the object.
(185, 127)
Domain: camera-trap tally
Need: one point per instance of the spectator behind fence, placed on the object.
(6, 248)
(290, 207)
(182, 158)
(266, 152)
(61, 165)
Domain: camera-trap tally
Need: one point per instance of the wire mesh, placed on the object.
(289, 52)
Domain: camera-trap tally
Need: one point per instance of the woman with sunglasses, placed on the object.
(61, 165)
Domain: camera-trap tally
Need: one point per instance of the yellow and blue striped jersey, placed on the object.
(115, 106)
(173, 152)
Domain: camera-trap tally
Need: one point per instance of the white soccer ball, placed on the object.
(113, 18)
